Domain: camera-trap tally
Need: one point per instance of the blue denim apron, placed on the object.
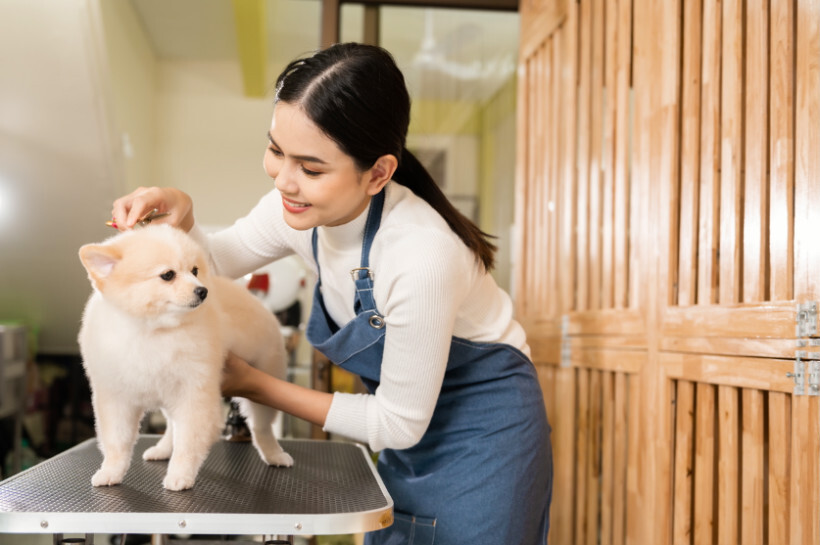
(482, 473)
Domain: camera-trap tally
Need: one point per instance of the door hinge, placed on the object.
(806, 373)
(566, 345)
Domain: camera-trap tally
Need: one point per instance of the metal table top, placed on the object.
(332, 488)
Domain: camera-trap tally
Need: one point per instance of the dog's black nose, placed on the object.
(201, 292)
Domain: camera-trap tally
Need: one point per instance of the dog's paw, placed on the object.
(106, 477)
(157, 452)
(281, 459)
(178, 482)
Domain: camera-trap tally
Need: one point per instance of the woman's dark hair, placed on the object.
(356, 95)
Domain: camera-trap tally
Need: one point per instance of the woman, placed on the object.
(404, 300)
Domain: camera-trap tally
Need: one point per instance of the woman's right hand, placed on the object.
(128, 210)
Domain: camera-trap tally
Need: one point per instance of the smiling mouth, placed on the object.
(294, 206)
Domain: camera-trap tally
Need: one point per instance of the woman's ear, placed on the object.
(381, 172)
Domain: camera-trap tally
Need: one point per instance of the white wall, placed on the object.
(211, 139)
(57, 172)
(75, 77)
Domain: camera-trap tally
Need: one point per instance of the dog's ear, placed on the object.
(99, 260)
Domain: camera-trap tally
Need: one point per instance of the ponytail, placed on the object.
(412, 174)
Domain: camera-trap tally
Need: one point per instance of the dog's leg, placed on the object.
(260, 421)
(165, 446)
(197, 426)
(117, 428)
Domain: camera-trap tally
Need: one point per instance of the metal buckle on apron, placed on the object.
(354, 273)
(376, 321)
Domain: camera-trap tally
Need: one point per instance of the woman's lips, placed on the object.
(294, 207)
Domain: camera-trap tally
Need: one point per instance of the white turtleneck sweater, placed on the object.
(427, 285)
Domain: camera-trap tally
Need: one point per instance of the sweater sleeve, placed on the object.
(254, 240)
(419, 287)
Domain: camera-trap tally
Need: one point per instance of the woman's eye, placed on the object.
(275, 151)
(168, 275)
(195, 271)
(311, 173)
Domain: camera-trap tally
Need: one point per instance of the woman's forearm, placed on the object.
(304, 403)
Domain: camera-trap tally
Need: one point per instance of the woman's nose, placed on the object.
(285, 179)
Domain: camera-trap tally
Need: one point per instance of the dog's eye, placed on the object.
(168, 275)
(195, 271)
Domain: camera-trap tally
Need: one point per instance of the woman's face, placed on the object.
(319, 183)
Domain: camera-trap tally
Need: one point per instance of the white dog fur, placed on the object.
(155, 334)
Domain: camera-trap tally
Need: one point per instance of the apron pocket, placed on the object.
(419, 530)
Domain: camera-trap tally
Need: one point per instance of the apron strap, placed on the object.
(362, 275)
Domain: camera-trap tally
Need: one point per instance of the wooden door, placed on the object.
(668, 196)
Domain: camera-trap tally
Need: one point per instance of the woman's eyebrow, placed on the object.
(305, 158)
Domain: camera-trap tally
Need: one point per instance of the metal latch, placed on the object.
(807, 319)
(806, 373)
(806, 377)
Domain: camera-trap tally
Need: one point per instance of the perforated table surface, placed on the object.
(332, 488)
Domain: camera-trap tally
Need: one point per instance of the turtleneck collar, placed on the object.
(347, 236)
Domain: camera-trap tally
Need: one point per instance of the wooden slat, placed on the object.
(703, 526)
(634, 518)
(593, 459)
(709, 209)
(569, 40)
(807, 169)
(668, 79)
(731, 158)
(584, 142)
(778, 467)
(684, 463)
(531, 234)
(619, 342)
(622, 153)
(544, 338)
(557, 140)
(728, 465)
(607, 456)
(729, 346)
(690, 154)
(596, 131)
(756, 179)
(607, 322)
(522, 159)
(562, 520)
(583, 527)
(781, 151)
(753, 474)
(620, 456)
(622, 361)
(805, 474)
(539, 254)
(767, 320)
(608, 155)
(740, 372)
(640, 180)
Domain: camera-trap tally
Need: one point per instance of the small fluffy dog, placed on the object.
(155, 334)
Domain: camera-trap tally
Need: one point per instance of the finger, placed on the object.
(143, 202)
(128, 210)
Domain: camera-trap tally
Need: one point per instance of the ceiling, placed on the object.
(445, 54)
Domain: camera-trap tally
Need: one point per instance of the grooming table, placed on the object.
(332, 488)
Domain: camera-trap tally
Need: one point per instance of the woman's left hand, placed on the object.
(235, 377)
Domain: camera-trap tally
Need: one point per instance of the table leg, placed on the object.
(59, 539)
(278, 540)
